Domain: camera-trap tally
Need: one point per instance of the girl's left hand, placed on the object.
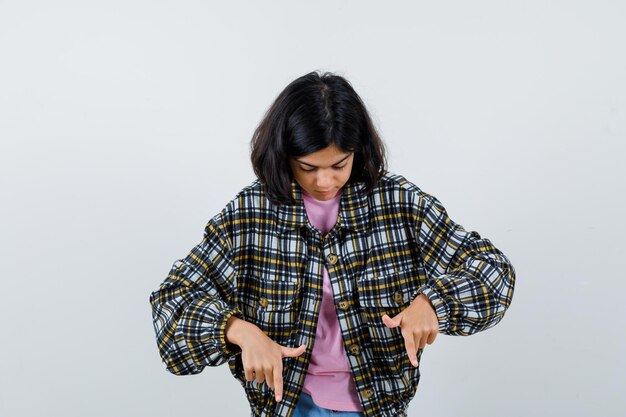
(418, 324)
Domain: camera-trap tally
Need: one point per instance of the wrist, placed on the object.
(233, 329)
(420, 298)
(236, 330)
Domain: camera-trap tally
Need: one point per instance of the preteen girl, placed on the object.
(321, 282)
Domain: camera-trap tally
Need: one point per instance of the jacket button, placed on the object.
(354, 349)
(367, 393)
(263, 301)
(332, 258)
(398, 298)
(343, 304)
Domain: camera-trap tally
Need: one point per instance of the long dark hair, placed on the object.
(310, 114)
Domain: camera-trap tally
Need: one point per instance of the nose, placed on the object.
(324, 181)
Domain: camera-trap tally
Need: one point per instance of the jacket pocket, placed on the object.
(271, 305)
(389, 293)
(388, 290)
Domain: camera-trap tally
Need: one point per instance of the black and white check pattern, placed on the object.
(263, 263)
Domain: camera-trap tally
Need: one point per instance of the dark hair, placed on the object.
(311, 113)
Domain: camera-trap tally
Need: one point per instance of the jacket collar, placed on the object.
(353, 209)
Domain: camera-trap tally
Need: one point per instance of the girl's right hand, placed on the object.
(262, 358)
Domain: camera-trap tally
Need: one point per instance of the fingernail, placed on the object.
(278, 398)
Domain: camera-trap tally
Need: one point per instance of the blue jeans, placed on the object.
(307, 408)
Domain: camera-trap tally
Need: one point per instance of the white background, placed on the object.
(125, 126)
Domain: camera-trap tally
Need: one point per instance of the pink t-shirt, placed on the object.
(329, 377)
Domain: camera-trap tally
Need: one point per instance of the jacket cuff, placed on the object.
(226, 348)
(204, 332)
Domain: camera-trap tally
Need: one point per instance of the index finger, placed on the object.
(278, 381)
(409, 344)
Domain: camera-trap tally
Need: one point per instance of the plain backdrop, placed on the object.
(125, 126)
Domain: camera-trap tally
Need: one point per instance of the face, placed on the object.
(325, 170)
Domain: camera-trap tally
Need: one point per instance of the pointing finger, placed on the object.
(278, 382)
(418, 339)
(409, 344)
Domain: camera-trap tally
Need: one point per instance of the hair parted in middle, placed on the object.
(313, 112)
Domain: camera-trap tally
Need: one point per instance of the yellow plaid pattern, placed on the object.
(263, 263)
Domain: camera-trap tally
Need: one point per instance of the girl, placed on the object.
(321, 282)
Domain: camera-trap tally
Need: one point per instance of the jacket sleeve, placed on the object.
(192, 305)
(470, 282)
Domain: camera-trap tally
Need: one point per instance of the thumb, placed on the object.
(291, 352)
(392, 322)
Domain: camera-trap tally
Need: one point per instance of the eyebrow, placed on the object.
(338, 162)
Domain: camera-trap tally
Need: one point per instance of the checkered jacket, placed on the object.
(263, 263)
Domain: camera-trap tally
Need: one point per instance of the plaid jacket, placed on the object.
(263, 263)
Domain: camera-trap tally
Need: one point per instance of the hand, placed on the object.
(262, 358)
(418, 324)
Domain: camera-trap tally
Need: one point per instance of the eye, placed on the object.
(311, 170)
